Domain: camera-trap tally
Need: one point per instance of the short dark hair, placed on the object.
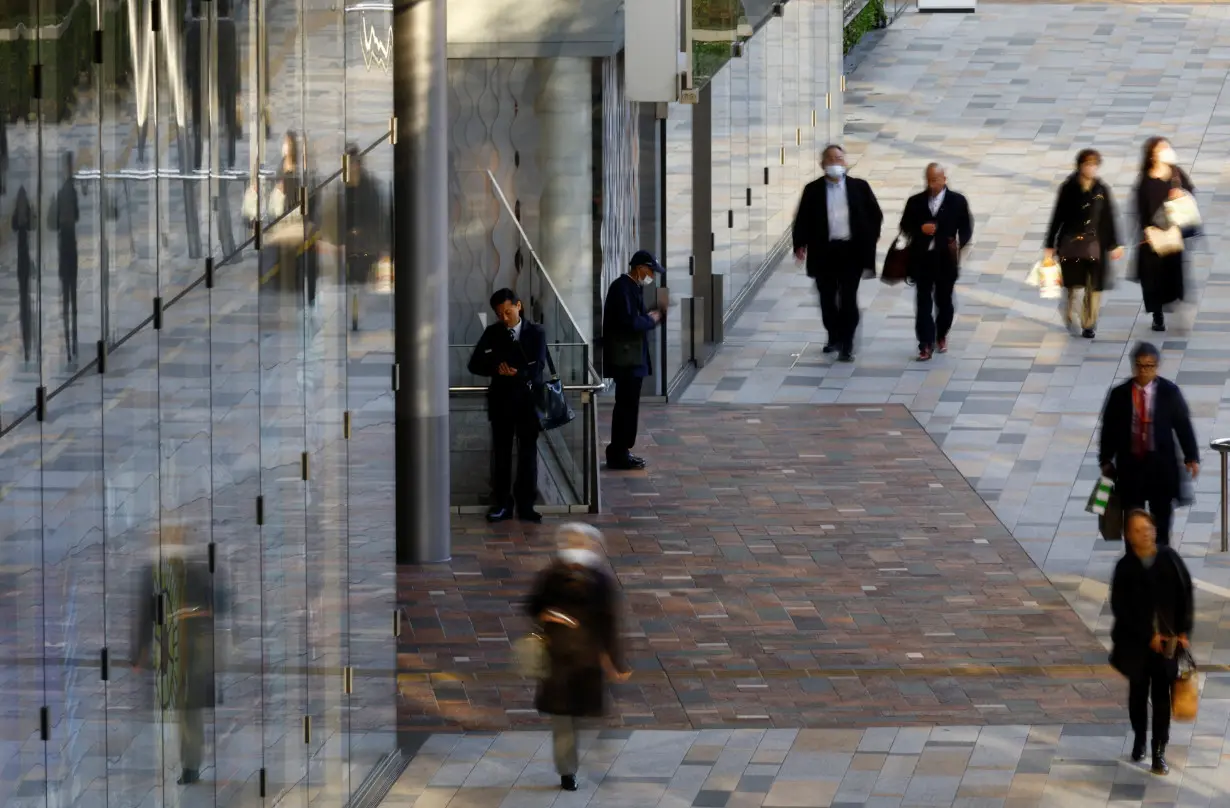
(1138, 513)
(830, 147)
(1088, 155)
(504, 296)
(1144, 349)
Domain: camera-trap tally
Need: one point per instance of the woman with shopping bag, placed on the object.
(1164, 208)
(1152, 603)
(1084, 236)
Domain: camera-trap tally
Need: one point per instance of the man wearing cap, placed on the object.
(625, 354)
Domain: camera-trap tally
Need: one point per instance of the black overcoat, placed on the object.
(1081, 212)
(1161, 276)
(576, 683)
(1137, 595)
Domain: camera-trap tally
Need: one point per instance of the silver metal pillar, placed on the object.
(1222, 447)
(420, 298)
(702, 199)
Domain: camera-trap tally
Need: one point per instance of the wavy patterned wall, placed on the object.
(492, 127)
(620, 177)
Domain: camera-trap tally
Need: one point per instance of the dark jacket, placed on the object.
(1137, 595)
(625, 321)
(1171, 421)
(575, 683)
(1074, 215)
(811, 224)
(1162, 277)
(953, 224)
(510, 395)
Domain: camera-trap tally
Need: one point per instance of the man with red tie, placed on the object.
(1141, 422)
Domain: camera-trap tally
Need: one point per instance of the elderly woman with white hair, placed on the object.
(574, 603)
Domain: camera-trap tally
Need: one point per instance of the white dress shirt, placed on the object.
(838, 209)
(934, 203)
(515, 331)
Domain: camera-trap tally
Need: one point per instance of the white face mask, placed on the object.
(1168, 157)
(580, 557)
(647, 280)
(835, 172)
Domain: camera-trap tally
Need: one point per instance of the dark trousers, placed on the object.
(624, 416)
(933, 291)
(839, 306)
(68, 311)
(1153, 682)
(1136, 490)
(523, 430)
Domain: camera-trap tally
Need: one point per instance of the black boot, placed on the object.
(1159, 321)
(1138, 748)
(1159, 759)
(568, 782)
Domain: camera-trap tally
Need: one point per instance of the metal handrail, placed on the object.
(581, 388)
(1222, 447)
(499, 192)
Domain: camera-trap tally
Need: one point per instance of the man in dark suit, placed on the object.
(513, 352)
(1140, 422)
(625, 354)
(835, 230)
(938, 225)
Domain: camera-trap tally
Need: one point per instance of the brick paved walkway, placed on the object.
(784, 566)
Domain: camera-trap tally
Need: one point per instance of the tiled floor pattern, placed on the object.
(1004, 99)
(781, 565)
(880, 767)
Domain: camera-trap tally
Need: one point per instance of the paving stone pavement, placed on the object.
(1004, 99)
(782, 566)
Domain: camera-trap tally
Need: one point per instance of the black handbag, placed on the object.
(550, 403)
(896, 263)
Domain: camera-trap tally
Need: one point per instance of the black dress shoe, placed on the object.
(845, 356)
(500, 514)
(1138, 749)
(1159, 760)
(1159, 322)
(568, 782)
(188, 777)
(830, 347)
(636, 461)
(1087, 333)
(625, 464)
(530, 515)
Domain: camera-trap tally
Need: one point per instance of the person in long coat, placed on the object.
(64, 215)
(574, 603)
(1084, 233)
(23, 225)
(1152, 603)
(1161, 277)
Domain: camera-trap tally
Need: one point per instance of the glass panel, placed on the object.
(721, 156)
(22, 752)
(716, 24)
(758, 146)
(679, 231)
(740, 177)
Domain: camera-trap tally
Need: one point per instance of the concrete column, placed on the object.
(420, 299)
(702, 204)
(565, 110)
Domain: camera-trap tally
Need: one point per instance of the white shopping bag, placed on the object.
(1047, 278)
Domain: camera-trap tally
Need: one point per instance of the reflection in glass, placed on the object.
(716, 25)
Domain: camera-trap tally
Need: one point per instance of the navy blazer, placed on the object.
(811, 224)
(624, 318)
(952, 221)
(1171, 421)
(510, 395)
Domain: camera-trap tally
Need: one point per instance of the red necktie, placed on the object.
(1140, 437)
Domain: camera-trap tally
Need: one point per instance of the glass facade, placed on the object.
(195, 419)
(770, 120)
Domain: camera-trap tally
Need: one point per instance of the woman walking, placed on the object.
(1151, 600)
(573, 602)
(1161, 276)
(1084, 233)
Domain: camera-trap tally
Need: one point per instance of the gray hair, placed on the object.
(938, 167)
(571, 534)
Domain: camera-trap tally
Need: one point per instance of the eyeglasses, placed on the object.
(1146, 366)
